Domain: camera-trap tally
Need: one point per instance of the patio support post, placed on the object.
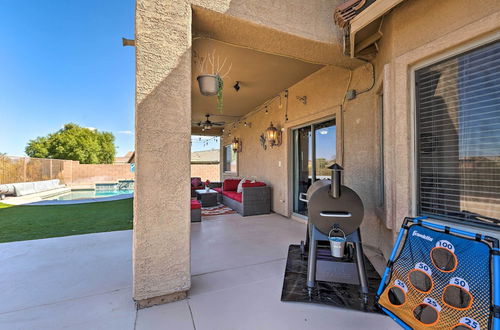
(161, 251)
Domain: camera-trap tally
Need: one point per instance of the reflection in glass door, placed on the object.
(314, 149)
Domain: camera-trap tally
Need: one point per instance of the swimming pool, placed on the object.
(89, 194)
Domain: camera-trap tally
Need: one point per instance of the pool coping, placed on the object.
(83, 201)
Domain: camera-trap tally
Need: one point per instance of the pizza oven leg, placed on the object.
(361, 265)
(311, 260)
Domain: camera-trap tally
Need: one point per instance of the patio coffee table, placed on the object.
(207, 197)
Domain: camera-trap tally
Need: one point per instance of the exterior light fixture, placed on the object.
(207, 126)
(236, 145)
(237, 86)
(273, 135)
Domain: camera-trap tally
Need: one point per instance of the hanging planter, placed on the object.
(211, 84)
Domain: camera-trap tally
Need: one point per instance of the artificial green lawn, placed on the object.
(25, 222)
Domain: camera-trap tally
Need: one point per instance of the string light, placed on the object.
(204, 142)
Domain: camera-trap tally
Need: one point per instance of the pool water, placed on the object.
(84, 194)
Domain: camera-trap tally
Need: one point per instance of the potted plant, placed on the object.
(207, 185)
(212, 81)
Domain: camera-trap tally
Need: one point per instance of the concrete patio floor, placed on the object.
(84, 282)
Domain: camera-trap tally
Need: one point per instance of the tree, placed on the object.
(74, 142)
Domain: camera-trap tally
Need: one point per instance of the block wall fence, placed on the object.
(26, 169)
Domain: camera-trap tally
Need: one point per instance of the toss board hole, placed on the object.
(461, 327)
(420, 280)
(457, 297)
(397, 296)
(443, 259)
(426, 314)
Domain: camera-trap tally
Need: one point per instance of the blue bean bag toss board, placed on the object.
(442, 278)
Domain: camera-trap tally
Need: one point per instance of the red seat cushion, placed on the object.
(195, 182)
(231, 184)
(219, 190)
(253, 184)
(195, 204)
(233, 195)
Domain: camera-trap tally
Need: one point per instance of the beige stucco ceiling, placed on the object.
(261, 77)
(304, 34)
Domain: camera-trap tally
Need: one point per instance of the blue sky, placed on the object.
(62, 61)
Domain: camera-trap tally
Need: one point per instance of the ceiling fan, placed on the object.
(208, 124)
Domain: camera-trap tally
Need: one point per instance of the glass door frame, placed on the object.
(294, 177)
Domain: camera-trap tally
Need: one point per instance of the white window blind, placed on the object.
(458, 137)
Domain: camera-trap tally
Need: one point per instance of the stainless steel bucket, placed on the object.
(337, 244)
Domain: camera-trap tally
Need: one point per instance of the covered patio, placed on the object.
(85, 282)
(346, 93)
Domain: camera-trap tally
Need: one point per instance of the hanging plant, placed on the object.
(220, 84)
(211, 81)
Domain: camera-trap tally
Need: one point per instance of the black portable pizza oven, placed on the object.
(332, 205)
(335, 213)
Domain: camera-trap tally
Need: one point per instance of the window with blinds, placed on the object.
(458, 137)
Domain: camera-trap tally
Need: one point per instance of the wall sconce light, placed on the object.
(237, 86)
(273, 136)
(236, 145)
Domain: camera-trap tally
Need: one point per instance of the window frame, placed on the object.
(224, 158)
(414, 124)
(381, 200)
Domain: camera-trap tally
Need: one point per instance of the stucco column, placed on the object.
(161, 252)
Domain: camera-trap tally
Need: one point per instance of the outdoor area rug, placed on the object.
(329, 293)
(216, 210)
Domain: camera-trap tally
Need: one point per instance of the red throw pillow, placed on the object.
(196, 182)
(231, 184)
(253, 184)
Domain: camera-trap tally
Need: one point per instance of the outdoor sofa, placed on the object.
(28, 188)
(196, 184)
(254, 199)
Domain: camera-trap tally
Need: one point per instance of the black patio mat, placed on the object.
(329, 293)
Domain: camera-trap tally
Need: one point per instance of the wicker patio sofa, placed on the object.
(196, 184)
(254, 199)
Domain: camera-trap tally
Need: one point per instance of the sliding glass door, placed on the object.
(314, 149)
